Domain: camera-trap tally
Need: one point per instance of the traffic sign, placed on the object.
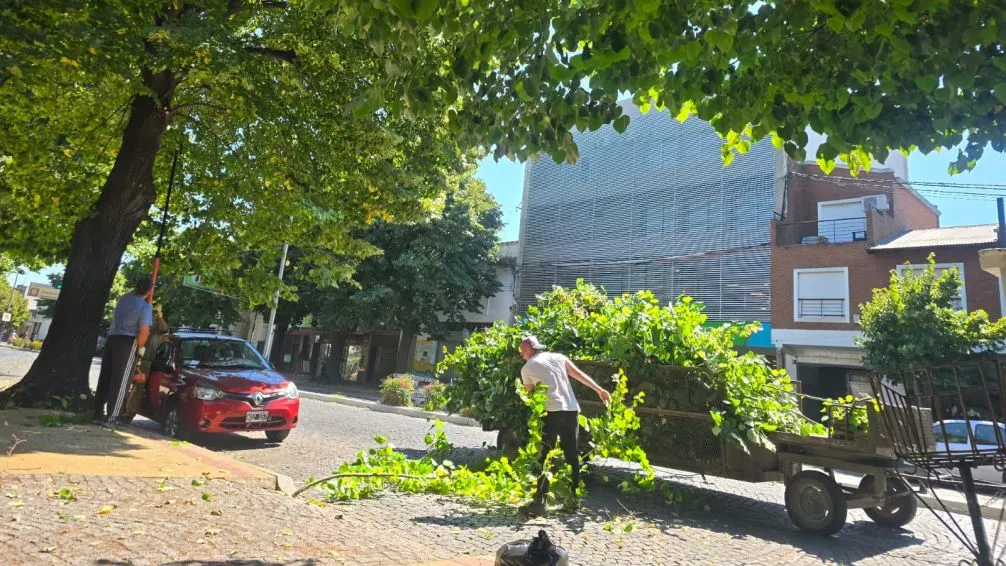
(5, 317)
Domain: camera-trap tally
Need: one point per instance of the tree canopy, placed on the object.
(304, 120)
(912, 323)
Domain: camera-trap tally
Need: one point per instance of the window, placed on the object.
(961, 301)
(985, 434)
(821, 295)
(215, 353)
(956, 433)
(841, 221)
(162, 358)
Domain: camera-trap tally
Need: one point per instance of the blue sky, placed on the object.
(505, 181)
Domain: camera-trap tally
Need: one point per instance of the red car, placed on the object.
(209, 383)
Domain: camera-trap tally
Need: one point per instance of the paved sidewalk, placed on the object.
(30, 447)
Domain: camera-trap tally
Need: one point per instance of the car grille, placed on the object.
(250, 398)
(238, 423)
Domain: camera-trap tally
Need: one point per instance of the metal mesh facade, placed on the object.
(653, 208)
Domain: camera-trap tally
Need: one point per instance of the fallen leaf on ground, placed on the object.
(201, 541)
(106, 510)
(217, 513)
(138, 533)
(286, 532)
(16, 504)
(48, 549)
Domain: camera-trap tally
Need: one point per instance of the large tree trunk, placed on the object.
(402, 361)
(98, 243)
(278, 338)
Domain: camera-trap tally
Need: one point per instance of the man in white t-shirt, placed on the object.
(561, 409)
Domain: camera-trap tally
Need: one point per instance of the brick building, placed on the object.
(839, 238)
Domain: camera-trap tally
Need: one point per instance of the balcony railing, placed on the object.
(820, 232)
(821, 308)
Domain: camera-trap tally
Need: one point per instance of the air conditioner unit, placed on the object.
(879, 202)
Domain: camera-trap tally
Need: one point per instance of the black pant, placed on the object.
(113, 381)
(566, 426)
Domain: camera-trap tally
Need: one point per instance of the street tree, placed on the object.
(431, 273)
(97, 99)
(303, 119)
(13, 302)
(912, 324)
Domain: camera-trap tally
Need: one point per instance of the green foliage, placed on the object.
(873, 76)
(18, 304)
(397, 390)
(847, 416)
(436, 396)
(912, 324)
(745, 396)
(62, 419)
(499, 480)
(614, 432)
(19, 342)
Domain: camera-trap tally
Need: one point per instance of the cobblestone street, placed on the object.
(719, 522)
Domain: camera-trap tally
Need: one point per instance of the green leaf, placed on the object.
(621, 123)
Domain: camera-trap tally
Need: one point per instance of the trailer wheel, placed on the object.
(815, 503)
(900, 505)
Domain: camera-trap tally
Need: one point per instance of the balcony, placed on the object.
(824, 309)
(821, 232)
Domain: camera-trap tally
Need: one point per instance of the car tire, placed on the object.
(171, 422)
(815, 503)
(899, 510)
(277, 436)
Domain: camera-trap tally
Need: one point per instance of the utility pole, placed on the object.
(270, 333)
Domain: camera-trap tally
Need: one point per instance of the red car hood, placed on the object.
(239, 380)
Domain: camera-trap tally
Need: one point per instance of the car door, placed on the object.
(163, 376)
(952, 436)
(986, 441)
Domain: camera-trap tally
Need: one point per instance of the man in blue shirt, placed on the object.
(123, 348)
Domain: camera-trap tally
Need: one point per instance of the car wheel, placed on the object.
(277, 435)
(171, 425)
(815, 503)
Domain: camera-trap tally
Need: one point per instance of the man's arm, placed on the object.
(578, 374)
(142, 336)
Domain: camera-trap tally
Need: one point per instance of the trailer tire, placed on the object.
(897, 512)
(815, 503)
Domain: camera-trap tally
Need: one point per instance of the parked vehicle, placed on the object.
(956, 439)
(211, 384)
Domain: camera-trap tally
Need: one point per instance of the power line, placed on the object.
(867, 185)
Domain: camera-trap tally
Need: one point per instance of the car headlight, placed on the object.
(207, 393)
(291, 391)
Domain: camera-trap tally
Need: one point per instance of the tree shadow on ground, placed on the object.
(741, 517)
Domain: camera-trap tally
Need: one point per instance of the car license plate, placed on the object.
(257, 416)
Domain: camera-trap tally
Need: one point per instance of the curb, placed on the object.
(404, 411)
(959, 507)
(279, 482)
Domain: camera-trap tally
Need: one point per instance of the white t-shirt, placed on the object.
(550, 368)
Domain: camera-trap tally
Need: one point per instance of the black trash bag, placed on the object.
(539, 551)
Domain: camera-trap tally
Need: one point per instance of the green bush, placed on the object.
(744, 396)
(36, 345)
(435, 394)
(19, 342)
(397, 391)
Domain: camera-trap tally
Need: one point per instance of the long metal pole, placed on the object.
(272, 314)
(164, 225)
(974, 509)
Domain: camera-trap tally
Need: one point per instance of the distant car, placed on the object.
(211, 384)
(956, 440)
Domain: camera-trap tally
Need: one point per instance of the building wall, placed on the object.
(913, 211)
(868, 271)
(653, 208)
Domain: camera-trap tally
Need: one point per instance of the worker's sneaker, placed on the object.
(533, 509)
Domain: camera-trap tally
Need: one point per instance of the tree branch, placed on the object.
(281, 54)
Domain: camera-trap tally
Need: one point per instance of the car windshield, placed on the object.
(210, 353)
